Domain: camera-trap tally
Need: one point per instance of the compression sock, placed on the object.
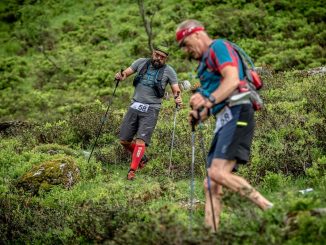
(137, 156)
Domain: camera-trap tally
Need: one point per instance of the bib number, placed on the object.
(223, 118)
(140, 106)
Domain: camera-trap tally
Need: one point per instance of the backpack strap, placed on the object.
(212, 63)
(160, 74)
(242, 54)
(211, 60)
(245, 60)
(144, 69)
(141, 73)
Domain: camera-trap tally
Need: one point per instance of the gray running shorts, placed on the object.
(139, 123)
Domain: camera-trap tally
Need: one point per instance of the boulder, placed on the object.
(58, 171)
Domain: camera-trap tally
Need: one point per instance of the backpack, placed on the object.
(158, 89)
(254, 82)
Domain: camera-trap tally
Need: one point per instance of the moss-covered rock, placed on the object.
(58, 171)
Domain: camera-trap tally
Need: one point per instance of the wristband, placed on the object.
(206, 94)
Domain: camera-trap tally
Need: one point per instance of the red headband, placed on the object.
(181, 34)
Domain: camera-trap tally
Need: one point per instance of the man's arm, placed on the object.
(229, 83)
(124, 74)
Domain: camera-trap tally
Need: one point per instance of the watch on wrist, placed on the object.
(212, 99)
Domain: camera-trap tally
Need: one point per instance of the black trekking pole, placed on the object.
(193, 123)
(201, 136)
(173, 132)
(104, 118)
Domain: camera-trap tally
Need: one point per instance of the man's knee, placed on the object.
(218, 175)
(125, 142)
(140, 142)
(220, 170)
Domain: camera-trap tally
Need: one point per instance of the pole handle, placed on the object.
(198, 113)
(193, 124)
(176, 96)
(117, 80)
(194, 121)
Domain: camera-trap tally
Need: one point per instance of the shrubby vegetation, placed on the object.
(56, 81)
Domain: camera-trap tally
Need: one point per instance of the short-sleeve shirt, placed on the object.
(219, 55)
(144, 92)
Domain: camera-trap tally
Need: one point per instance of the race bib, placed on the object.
(140, 106)
(223, 118)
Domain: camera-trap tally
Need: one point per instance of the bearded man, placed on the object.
(152, 77)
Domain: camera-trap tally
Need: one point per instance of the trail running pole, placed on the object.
(103, 119)
(201, 136)
(193, 122)
(173, 132)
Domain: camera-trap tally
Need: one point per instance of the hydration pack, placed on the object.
(157, 87)
(252, 82)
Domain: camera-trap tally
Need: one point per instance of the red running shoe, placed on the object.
(131, 174)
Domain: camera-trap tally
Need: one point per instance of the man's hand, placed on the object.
(198, 101)
(120, 76)
(194, 114)
(178, 100)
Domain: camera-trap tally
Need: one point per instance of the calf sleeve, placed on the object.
(137, 155)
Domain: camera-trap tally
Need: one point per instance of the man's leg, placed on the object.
(128, 145)
(216, 191)
(128, 130)
(138, 153)
(147, 123)
(221, 173)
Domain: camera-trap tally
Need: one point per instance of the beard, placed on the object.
(156, 64)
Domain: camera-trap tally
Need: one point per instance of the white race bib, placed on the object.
(140, 106)
(223, 118)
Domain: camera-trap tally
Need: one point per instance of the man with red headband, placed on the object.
(153, 75)
(221, 72)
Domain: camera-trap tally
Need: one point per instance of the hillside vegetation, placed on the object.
(57, 66)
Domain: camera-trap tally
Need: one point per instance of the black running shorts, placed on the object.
(233, 140)
(139, 123)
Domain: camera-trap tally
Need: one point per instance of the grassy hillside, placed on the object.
(58, 60)
(53, 49)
